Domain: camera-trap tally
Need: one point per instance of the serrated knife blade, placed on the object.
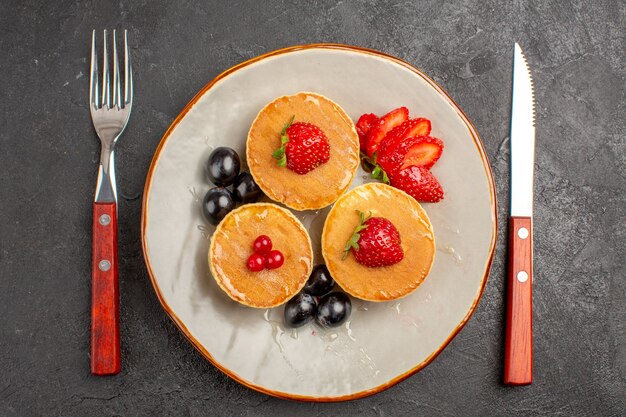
(518, 343)
(522, 137)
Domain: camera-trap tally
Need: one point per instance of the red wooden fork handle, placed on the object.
(518, 352)
(105, 330)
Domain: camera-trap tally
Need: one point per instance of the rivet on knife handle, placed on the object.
(518, 355)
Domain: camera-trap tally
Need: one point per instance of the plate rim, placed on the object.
(493, 205)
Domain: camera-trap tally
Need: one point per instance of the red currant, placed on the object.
(256, 262)
(262, 245)
(275, 259)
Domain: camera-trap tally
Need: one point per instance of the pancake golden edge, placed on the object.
(298, 255)
(416, 234)
(324, 184)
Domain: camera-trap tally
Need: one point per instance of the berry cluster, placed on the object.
(223, 170)
(318, 301)
(263, 256)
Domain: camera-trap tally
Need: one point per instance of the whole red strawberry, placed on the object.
(375, 242)
(418, 182)
(304, 147)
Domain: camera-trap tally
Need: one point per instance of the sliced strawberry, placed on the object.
(363, 125)
(424, 153)
(421, 151)
(410, 128)
(385, 124)
(419, 183)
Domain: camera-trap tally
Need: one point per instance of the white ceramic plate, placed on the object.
(382, 343)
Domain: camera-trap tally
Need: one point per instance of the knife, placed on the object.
(518, 345)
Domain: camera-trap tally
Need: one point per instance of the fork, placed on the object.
(109, 116)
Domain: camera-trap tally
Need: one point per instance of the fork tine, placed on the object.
(116, 74)
(93, 74)
(128, 73)
(106, 90)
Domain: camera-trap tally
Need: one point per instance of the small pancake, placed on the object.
(231, 245)
(416, 235)
(324, 184)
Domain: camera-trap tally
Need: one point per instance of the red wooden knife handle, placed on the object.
(105, 329)
(518, 351)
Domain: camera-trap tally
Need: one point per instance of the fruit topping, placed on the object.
(256, 262)
(421, 151)
(223, 166)
(275, 259)
(217, 203)
(408, 129)
(374, 167)
(262, 245)
(400, 152)
(320, 282)
(304, 147)
(381, 127)
(375, 242)
(245, 189)
(363, 125)
(333, 309)
(418, 182)
(300, 310)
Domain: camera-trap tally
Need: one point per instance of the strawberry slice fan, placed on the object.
(401, 152)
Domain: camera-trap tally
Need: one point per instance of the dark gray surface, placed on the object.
(49, 152)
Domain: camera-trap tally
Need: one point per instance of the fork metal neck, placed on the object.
(106, 190)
